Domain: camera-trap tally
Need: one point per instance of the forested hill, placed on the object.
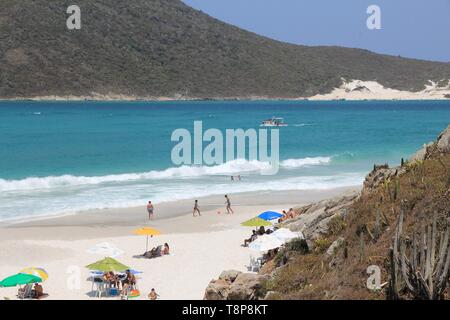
(153, 48)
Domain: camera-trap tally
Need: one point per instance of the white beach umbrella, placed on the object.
(285, 235)
(265, 243)
(106, 249)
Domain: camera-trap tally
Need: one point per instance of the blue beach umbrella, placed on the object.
(270, 215)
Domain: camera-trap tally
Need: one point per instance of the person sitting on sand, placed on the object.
(154, 252)
(111, 279)
(261, 231)
(251, 239)
(166, 249)
(153, 295)
(291, 213)
(129, 281)
(283, 217)
(38, 291)
(106, 277)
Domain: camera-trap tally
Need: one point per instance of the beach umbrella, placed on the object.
(265, 243)
(147, 231)
(256, 222)
(105, 249)
(38, 272)
(108, 264)
(19, 279)
(285, 234)
(270, 215)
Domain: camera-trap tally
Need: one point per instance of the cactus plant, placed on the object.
(422, 267)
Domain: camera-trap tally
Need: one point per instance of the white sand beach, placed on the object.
(352, 90)
(201, 247)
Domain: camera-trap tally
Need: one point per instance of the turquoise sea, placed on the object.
(62, 157)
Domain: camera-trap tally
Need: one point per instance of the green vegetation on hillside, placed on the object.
(165, 48)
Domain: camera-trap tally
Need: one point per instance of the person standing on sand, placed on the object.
(150, 209)
(228, 203)
(196, 209)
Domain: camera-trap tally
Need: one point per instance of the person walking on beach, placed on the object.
(196, 208)
(150, 210)
(228, 203)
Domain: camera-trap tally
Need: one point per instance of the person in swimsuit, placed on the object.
(153, 295)
(150, 210)
(228, 203)
(196, 208)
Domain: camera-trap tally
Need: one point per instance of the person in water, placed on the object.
(150, 210)
(196, 209)
(228, 203)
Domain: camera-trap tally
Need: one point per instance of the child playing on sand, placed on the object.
(196, 208)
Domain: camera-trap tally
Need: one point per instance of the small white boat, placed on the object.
(274, 122)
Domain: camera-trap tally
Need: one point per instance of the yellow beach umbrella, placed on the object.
(147, 231)
(38, 272)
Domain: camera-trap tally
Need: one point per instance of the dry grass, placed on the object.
(423, 190)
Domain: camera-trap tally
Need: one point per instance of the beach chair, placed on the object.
(100, 287)
(26, 292)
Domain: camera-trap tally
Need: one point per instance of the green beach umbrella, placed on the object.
(256, 222)
(108, 264)
(19, 279)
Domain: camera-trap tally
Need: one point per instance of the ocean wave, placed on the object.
(234, 167)
(124, 196)
(296, 163)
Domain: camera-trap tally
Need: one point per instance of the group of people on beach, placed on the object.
(288, 215)
(120, 281)
(37, 292)
(127, 282)
(255, 233)
(195, 212)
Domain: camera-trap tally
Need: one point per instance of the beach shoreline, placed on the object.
(352, 90)
(202, 246)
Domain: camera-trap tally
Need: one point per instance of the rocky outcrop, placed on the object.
(421, 154)
(335, 245)
(379, 174)
(313, 220)
(382, 173)
(235, 285)
(443, 142)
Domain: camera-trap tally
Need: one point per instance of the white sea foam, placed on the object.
(296, 163)
(129, 195)
(240, 166)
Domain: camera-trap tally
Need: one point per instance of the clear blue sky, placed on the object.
(410, 28)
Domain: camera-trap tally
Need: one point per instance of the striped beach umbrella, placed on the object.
(38, 272)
